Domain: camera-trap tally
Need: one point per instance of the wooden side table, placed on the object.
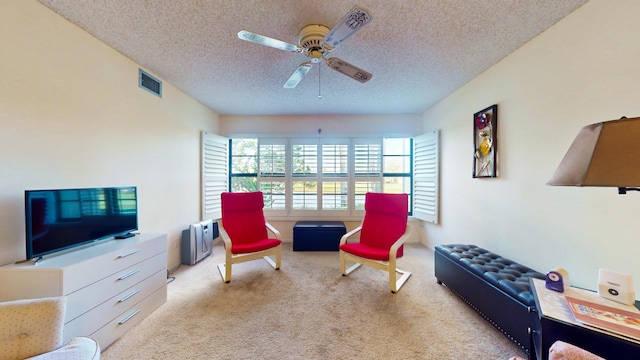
(553, 320)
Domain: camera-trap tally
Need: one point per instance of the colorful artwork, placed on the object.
(609, 318)
(485, 124)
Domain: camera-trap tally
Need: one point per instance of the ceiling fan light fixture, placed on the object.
(312, 36)
(315, 56)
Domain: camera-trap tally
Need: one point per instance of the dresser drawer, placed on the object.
(108, 310)
(110, 262)
(101, 281)
(129, 318)
(91, 296)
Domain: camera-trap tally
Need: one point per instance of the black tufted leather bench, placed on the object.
(496, 287)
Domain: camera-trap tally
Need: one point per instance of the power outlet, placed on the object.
(176, 243)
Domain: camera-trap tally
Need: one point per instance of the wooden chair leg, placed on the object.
(271, 262)
(397, 284)
(278, 257)
(225, 272)
(343, 265)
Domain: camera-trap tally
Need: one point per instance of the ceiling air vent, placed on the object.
(150, 83)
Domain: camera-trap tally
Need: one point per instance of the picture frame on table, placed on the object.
(485, 131)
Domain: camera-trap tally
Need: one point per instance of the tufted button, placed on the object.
(23, 336)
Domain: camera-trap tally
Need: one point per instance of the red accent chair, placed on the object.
(244, 232)
(383, 233)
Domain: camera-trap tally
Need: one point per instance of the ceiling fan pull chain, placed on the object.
(319, 83)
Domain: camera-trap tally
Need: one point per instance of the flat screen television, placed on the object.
(64, 218)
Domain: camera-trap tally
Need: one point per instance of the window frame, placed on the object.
(274, 177)
(351, 177)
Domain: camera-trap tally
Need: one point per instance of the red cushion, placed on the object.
(385, 221)
(243, 219)
(254, 246)
(365, 251)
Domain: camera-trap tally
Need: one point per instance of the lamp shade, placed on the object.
(603, 154)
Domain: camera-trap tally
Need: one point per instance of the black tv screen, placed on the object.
(63, 218)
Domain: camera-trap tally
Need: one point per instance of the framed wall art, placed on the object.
(485, 127)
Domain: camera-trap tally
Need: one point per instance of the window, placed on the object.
(272, 169)
(334, 178)
(335, 160)
(335, 195)
(244, 165)
(305, 160)
(304, 174)
(367, 169)
(286, 171)
(320, 177)
(397, 166)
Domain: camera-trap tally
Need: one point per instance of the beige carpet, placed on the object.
(308, 310)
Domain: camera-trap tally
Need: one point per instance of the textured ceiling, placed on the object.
(418, 51)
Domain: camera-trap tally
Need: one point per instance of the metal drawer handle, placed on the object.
(126, 297)
(129, 253)
(130, 273)
(129, 317)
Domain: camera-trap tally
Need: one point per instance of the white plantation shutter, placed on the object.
(368, 158)
(215, 174)
(426, 177)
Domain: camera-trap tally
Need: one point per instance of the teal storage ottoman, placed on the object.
(317, 235)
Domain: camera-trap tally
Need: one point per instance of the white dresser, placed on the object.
(110, 285)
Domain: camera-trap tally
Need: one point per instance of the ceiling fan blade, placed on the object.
(349, 25)
(350, 70)
(297, 75)
(267, 41)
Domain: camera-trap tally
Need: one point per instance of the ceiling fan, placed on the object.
(316, 42)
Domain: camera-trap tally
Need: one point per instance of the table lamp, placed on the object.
(605, 154)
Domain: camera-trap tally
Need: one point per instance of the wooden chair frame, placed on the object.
(231, 258)
(395, 283)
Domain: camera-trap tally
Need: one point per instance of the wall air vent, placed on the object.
(149, 83)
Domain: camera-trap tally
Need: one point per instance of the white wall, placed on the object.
(72, 115)
(583, 70)
(331, 125)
